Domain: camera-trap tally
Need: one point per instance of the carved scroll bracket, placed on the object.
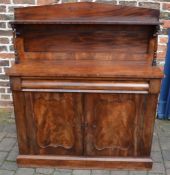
(157, 31)
(154, 63)
(15, 30)
(16, 33)
(155, 35)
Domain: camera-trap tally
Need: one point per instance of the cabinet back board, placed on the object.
(87, 42)
(86, 31)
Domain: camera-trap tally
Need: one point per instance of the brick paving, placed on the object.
(9, 151)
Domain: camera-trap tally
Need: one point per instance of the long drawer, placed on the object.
(37, 84)
(85, 86)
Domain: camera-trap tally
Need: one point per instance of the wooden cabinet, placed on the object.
(85, 85)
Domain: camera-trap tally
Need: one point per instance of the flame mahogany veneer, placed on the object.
(85, 85)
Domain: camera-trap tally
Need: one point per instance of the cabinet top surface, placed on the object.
(86, 13)
(83, 69)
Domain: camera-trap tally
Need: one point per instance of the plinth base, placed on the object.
(72, 162)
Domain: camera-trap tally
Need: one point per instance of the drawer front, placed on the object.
(85, 86)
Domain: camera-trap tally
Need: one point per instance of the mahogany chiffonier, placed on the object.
(85, 85)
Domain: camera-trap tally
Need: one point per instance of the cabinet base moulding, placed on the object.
(84, 162)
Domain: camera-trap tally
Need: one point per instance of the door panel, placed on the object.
(118, 125)
(57, 120)
(113, 124)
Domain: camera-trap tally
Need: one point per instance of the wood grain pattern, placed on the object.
(31, 127)
(84, 69)
(106, 128)
(89, 85)
(79, 42)
(104, 136)
(148, 123)
(54, 123)
(82, 43)
(88, 12)
(85, 86)
(55, 120)
(84, 162)
(86, 39)
(19, 109)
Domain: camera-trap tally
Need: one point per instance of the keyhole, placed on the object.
(94, 126)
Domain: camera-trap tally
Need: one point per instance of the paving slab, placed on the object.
(11, 135)
(6, 172)
(12, 155)
(156, 146)
(45, 170)
(158, 168)
(3, 155)
(118, 172)
(166, 155)
(168, 171)
(25, 171)
(157, 156)
(63, 172)
(7, 165)
(138, 172)
(165, 143)
(81, 172)
(6, 144)
(2, 135)
(167, 164)
(100, 172)
(156, 174)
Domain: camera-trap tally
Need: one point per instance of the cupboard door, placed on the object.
(114, 124)
(54, 123)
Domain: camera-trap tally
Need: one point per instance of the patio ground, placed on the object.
(9, 151)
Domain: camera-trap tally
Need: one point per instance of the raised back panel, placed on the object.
(87, 42)
(86, 31)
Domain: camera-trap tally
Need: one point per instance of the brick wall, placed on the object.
(6, 47)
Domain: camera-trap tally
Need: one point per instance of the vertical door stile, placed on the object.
(137, 124)
(31, 129)
(79, 104)
(88, 108)
(21, 122)
(83, 120)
